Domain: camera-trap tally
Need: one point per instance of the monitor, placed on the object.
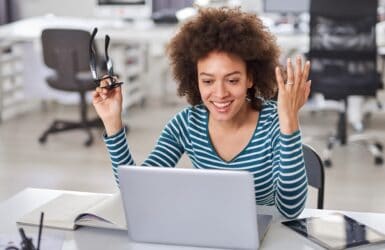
(164, 11)
(174, 5)
(286, 7)
(125, 9)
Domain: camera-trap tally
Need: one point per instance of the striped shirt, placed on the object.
(275, 159)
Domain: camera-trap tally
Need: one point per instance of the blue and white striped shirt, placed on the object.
(275, 159)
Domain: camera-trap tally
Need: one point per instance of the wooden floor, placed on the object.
(353, 183)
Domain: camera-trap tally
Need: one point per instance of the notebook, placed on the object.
(71, 210)
(336, 231)
(194, 207)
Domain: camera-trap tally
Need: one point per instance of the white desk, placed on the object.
(278, 236)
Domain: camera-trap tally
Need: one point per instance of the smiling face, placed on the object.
(223, 85)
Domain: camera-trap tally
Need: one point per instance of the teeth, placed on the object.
(221, 104)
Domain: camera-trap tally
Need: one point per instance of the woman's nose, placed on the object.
(220, 90)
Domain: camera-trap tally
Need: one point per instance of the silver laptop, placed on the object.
(207, 208)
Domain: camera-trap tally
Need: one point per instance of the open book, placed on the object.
(70, 210)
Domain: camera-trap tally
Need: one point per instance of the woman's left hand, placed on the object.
(293, 94)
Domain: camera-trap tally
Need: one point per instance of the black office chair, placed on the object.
(315, 172)
(343, 53)
(66, 52)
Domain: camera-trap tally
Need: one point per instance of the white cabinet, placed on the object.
(12, 96)
(129, 63)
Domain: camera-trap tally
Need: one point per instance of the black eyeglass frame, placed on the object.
(113, 82)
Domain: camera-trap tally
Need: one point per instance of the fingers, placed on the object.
(96, 97)
(290, 72)
(105, 81)
(298, 70)
(300, 74)
(279, 78)
(296, 76)
(104, 92)
(306, 71)
(307, 89)
(100, 93)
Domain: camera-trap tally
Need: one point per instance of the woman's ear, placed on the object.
(249, 83)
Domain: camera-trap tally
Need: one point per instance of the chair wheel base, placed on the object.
(328, 163)
(378, 160)
(379, 146)
(42, 139)
(88, 142)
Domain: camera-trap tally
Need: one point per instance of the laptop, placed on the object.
(193, 207)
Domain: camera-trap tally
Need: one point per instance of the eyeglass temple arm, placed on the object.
(93, 54)
(108, 59)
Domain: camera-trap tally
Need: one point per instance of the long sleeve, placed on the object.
(119, 151)
(290, 180)
(167, 152)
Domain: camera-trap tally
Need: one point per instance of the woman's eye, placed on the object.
(233, 81)
(207, 81)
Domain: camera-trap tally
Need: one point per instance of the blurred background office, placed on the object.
(347, 130)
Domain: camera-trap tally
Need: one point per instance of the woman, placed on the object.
(225, 63)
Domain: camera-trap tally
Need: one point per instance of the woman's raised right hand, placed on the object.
(108, 105)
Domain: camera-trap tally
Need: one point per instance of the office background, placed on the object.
(353, 183)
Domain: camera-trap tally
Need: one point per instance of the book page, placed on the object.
(107, 214)
(62, 211)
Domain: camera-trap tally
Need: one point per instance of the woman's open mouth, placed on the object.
(222, 107)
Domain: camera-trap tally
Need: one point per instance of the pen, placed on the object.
(26, 243)
(40, 230)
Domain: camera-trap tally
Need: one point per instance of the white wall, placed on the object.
(255, 6)
(86, 8)
(77, 8)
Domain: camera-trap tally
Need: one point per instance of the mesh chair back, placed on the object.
(66, 51)
(315, 172)
(343, 48)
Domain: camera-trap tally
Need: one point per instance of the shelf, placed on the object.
(9, 58)
(12, 97)
(131, 58)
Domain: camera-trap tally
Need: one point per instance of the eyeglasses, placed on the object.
(112, 81)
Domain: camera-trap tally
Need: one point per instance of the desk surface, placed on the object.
(278, 236)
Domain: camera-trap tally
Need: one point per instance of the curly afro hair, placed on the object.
(231, 31)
